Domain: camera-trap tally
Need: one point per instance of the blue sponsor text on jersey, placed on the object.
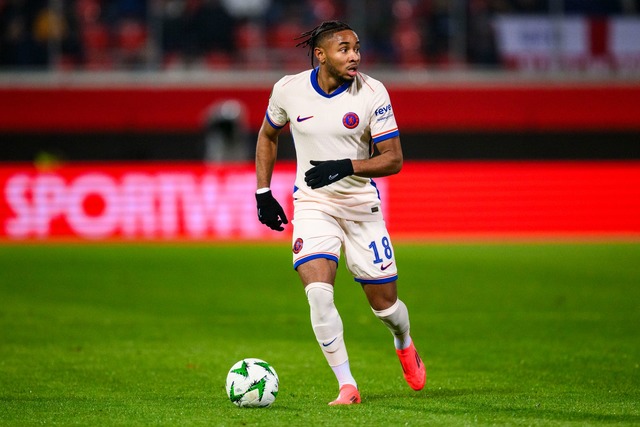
(383, 110)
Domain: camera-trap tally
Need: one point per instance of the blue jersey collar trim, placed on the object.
(316, 86)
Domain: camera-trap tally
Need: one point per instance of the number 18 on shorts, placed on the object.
(367, 248)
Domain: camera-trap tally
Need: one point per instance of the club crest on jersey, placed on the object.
(297, 245)
(350, 120)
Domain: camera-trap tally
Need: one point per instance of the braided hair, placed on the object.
(323, 31)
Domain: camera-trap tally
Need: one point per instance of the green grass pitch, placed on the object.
(142, 334)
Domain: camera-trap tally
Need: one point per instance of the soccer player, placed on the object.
(336, 115)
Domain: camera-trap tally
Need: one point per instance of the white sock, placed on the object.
(396, 319)
(327, 326)
(343, 374)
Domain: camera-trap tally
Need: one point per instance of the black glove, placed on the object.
(270, 213)
(327, 172)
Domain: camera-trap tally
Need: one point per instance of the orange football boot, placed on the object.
(348, 395)
(414, 370)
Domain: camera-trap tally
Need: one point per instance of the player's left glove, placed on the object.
(327, 172)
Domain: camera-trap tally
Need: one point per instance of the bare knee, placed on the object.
(381, 296)
(318, 270)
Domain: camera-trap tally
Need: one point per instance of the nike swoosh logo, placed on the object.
(302, 119)
(332, 177)
(384, 267)
(329, 343)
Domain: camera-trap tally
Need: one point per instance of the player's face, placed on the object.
(342, 55)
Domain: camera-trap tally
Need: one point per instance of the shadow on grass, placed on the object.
(436, 394)
(491, 405)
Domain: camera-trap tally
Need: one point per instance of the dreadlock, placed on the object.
(312, 38)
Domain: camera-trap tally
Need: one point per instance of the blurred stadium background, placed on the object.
(134, 119)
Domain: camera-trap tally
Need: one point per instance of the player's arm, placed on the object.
(266, 153)
(270, 213)
(387, 162)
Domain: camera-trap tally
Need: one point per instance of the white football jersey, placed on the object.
(343, 124)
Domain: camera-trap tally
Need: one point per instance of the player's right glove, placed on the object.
(270, 213)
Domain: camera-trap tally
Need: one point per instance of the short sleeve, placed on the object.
(276, 115)
(383, 122)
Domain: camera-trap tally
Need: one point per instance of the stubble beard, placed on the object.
(341, 78)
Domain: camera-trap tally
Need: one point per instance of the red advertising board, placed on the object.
(529, 199)
(134, 201)
(194, 201)
(544, 106)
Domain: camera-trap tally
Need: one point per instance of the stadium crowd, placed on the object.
(256, 34)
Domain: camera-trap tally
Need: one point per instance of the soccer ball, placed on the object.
(252, 383)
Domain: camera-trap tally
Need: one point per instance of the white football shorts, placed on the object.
(367, 248)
